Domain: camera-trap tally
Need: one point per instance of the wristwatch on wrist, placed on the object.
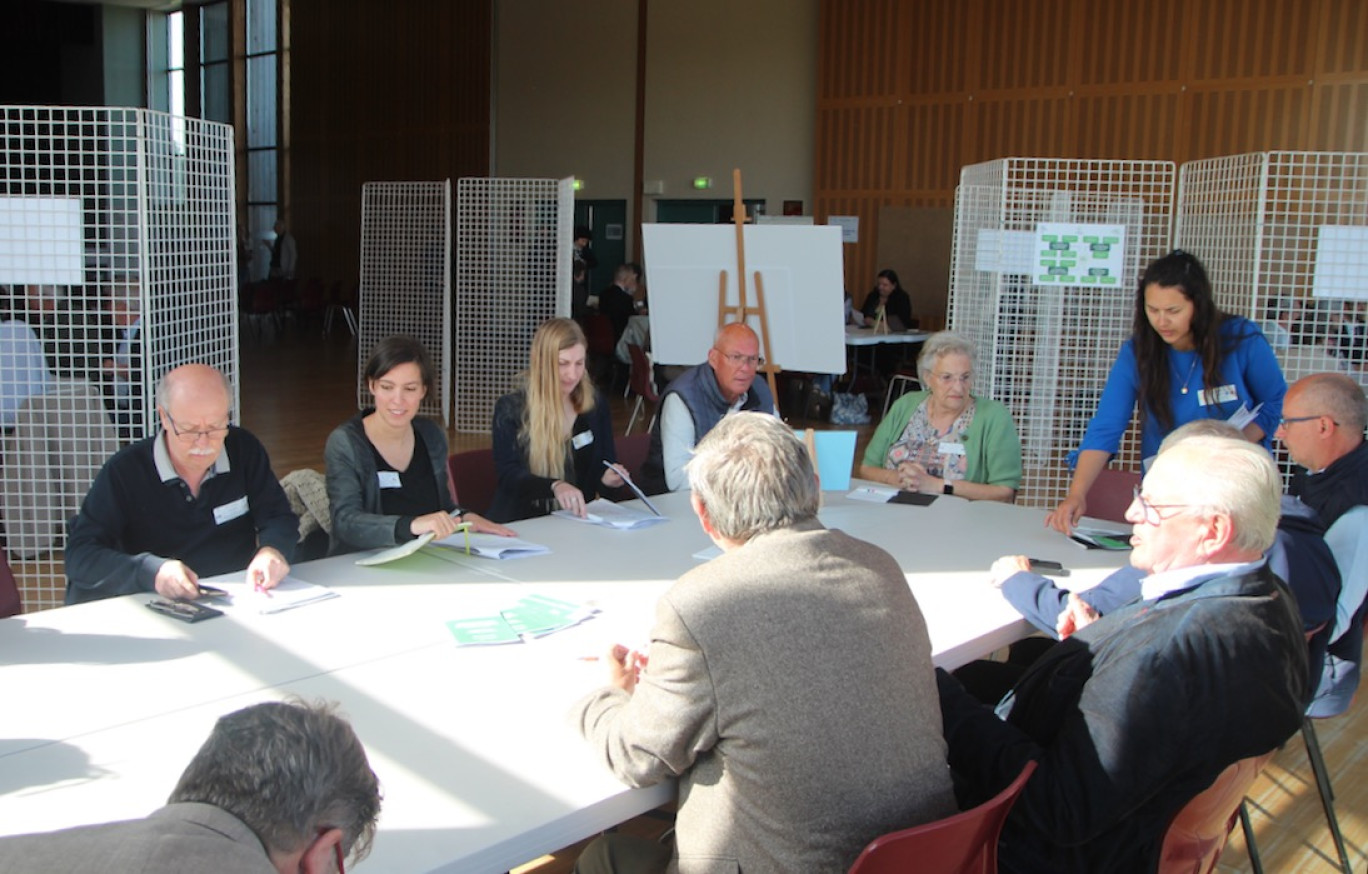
(948, 488)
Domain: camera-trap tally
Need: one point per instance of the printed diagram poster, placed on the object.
(1078, 254)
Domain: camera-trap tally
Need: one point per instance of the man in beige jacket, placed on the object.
(789, 686)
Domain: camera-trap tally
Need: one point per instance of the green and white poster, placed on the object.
(1077, 254)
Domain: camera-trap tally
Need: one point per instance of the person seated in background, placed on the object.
(276, 787)
(1322, 429)
(946, 440)
(697, 399)
(790, 756)
(122, 371)
(553, 438)
(1322, 425)
(892, 299)
(23, 367)
(1299, 556)
(387, 466)
(1136, 713)
(1281, 328)
(618, 301)
(197, 498)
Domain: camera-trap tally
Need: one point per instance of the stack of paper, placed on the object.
(533, 616)
(606, 513)
(492, 545)
(287, 595)
(385, 556)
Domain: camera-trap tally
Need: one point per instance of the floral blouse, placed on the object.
(922, 443)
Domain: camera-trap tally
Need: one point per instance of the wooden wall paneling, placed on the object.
(1342, 38)
(1024, 44)
(1025, 127)
(929, 29)
(384, 92)
(1251, 39)
(1340, 113)
(934, 133)
(1119, 44)
(1238, 121)
(1126, 126)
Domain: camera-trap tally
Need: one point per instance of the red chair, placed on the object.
(10, 602)
(965, 843)
(473, 479)
(643, 383)
(1198, 833)
(631, 452)
(1111, 495)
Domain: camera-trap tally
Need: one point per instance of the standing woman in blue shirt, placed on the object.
(1185, 360)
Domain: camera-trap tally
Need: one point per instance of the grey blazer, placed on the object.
(790, 687)
(177, 838)
(354, 489)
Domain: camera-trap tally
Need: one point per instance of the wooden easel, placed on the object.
(739, 312)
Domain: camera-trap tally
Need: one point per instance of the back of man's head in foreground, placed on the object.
(289, 771)
(753, 475)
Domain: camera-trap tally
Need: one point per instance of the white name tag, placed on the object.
(1221, 394)
(230, 511)
(389, 479)
(582, 439)
(951, 448)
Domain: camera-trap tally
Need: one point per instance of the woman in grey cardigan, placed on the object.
(387, 480)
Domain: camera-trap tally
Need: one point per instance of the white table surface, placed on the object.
(479, 767)
(866, 337)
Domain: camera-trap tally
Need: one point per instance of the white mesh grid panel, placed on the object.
(1284, 236)
(406, 278)
(1045, 351)
(513, 252)
(116, 254)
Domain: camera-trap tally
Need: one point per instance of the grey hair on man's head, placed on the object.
(287, 770)
(1230, 476)
(936, 347)
(1338, 396)
(753, 475)
(1201, 428)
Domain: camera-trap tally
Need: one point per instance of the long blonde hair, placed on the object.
(543, 428)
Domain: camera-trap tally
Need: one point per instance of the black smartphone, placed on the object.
(185, 611)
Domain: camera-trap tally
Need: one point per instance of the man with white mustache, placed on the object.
(197, 498)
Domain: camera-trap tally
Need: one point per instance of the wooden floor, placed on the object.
(296, 389)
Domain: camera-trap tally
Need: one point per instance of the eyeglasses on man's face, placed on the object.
(1292, 420)
(1150, 512)
(190, 435)
(736, 359)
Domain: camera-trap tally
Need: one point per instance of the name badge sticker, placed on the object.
(582, 439)
(389, 479)
(230, 511)
(947, 448)
(1221, 394)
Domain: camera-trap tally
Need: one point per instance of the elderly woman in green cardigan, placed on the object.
(945, 440)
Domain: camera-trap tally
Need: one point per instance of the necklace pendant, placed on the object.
(1184, 389)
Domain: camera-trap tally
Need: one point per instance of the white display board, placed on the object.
(40, 241)
(1081, 254)
(804, 291)
(1341, 262)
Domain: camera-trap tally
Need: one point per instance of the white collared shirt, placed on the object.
(1176, 580)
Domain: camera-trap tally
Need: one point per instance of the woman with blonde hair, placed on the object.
(553, 438)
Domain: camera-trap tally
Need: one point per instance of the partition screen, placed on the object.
(117, 264)
(1046, 341)
(406, 278)
(513, 252)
